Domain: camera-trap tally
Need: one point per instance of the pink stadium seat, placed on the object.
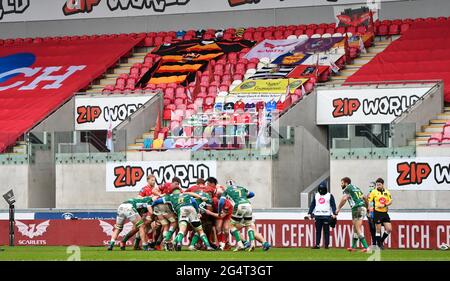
(435, 139)
(166, 102)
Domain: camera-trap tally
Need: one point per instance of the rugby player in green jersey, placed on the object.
(358, 203)
(242, 215)
(131, 210)
(186, 209)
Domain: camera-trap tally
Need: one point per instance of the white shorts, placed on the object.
(188, 214)
(162, 210)
(243, 214)
(124, 212)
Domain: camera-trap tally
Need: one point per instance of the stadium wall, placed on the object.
(84, 185)
(15, 177)
(300, 164)
(390, 10)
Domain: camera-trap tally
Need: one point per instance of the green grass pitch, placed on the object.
(60, 253)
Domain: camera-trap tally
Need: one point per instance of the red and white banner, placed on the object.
(35, 79)
(280, 232)
(364, 106)
(132, 176)
(421, 173)
(93, 113)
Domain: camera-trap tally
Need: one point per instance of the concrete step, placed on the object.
(139, 54)
(135, 146)
(143, 49)
(139, 141)
(112, 75)
(338, 78)
(122, 69)
(423, 134)
(93, 91)
(352, 67)
(347, 72)
(107, 81)
(134, 60)
(438, 121)
(433, 128)
(445, 116)
(20, 149)
(98, 87)
(148, 135)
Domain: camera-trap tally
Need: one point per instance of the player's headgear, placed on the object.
(230, 182)
(323, 188)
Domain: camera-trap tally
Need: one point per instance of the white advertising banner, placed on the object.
(421, 173)
(272, 49)
(132, 176)
(37, 10)
(93, 113)
(364, 106)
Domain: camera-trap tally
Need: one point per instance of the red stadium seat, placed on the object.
(319, 31)
(299, 32)
(149, 42)
(351, 29)
(394, 29)
(330, 30)
(361, 29)
(382, 30)
(340, 29)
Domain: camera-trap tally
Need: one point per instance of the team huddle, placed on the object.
(206, 213)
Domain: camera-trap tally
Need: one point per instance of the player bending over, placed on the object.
(358, 203)
(242, 215)
(129, 210)
(187, 211)
(165, 214)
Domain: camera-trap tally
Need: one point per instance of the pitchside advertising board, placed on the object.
(94, 113)
(365, 106)
(35, 10)
(422, 173)
(409, 231)
(132, 176)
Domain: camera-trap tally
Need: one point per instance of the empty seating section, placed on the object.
(222, 75)
(421, 53)
(398, 62)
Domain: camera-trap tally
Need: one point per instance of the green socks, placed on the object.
(195, 239)
(205, 240)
